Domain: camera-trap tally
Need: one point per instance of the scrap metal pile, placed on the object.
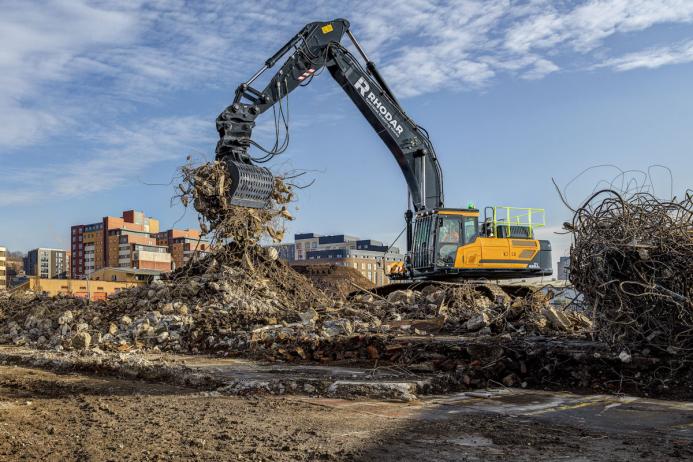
(632, 260)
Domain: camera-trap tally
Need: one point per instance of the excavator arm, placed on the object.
(316, 47)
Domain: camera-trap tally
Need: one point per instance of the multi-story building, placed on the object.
(130, 241)
(303, 243)
(563, 268)
(183, 244)
(286, 252)
(47, 263)
(371, 258)
(3, 270)
(116, 242)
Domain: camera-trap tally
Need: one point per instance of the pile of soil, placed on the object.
(336, 281)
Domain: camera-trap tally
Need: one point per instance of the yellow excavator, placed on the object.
(441, 242)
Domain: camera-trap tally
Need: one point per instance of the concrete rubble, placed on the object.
(242, 302)
(226, 312)
(462, 336)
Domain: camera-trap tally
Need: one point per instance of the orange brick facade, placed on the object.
(183, 244)
(130, 241)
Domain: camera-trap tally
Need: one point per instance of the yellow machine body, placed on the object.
(495, 252)
(454, 242)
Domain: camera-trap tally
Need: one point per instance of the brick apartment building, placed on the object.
(182, 244)
(371, 258)
(48, 263)
(3, 269)
(129, 241)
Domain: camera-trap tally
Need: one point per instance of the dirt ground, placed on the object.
(76, 417)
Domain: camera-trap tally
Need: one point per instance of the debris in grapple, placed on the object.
(208, 188)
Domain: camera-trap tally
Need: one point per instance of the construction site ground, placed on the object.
(50, 411)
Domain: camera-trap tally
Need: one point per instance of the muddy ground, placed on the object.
(48, 416)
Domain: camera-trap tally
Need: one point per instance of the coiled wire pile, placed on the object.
(632, 259)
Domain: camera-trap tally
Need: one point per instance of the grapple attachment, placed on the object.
(251, 185)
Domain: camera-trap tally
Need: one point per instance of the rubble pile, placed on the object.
(368, 326)
(240, 300)
(632, 260)
(191, 311)
(216, 306)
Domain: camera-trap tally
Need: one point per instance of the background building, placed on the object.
(183, 244)
(287, 252)
(47, 263)
(145, 276)
(371, 258)
(14, 268)
(123, 241)
(94, 290)
(130, 241)
(3, 269)
(563, 268)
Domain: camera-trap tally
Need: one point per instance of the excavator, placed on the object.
(441, 243)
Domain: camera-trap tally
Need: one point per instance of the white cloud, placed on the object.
(123, 155)
(540, 69)
(585, 27)
(61, 62)
(652, 58)
(64, 65)
(39, 42)
(121, 53)
(428, 45)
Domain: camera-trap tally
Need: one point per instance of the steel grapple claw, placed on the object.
(251, 185)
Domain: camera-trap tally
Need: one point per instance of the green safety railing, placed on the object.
(528, 217)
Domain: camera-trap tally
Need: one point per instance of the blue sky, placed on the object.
(101, 101)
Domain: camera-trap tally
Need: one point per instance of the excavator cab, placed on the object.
(438, 234)
(454, 243)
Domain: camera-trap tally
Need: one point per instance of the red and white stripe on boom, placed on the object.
(306, 74)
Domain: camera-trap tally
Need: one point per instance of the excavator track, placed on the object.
(495, 290)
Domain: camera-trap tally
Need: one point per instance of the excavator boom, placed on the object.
(315, 47)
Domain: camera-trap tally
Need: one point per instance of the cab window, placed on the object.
(471, 229)
(450, 234)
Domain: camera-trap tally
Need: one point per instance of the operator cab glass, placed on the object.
(437, 236)
(453, 232)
